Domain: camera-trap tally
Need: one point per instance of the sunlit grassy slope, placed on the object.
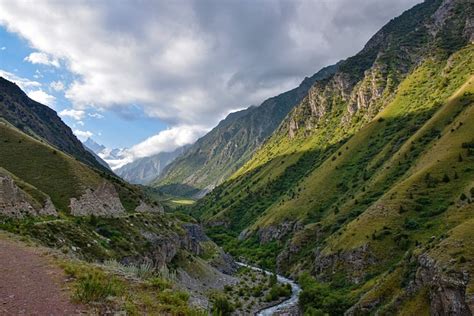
(51, 171)
(399, 183)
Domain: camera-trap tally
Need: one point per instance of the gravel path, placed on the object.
(30, 284)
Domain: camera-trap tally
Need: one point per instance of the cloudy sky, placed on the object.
(152, 75)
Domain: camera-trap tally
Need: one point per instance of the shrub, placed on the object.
(159, 283)
(221, 306)
(411, 224)
(96, 287)
(320, 299)
(446, 178)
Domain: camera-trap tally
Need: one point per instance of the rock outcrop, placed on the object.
(355, 262)
(103, 201)
(48, 208)
(278, 232)
(146, 208)
(447, 290)
(15, 203)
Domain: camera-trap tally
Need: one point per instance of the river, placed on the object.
(286, 304)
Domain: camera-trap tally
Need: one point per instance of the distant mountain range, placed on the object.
(141, 171)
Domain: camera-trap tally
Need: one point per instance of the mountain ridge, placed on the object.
(366, 175)
(38, 120)
(208, 162)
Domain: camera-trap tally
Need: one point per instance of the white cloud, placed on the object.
(23, 83)
(165, 141)
(96, 115)
(83, 135)
(57, 86)
(190, 62)
(42, 58)
(31, 88)
(3, 48)
(42, 97)
(72, 113)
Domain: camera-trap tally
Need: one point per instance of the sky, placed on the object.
(151, 75)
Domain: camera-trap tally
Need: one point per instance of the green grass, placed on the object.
(389, 179)
(104, 290)
(183, 201)
(43, 169)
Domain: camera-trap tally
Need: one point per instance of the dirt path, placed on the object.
(30, 284)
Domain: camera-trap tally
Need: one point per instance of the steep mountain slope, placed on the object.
(145, 170)
(55, 174)
(40, 121)
(368, 182)
(103, 223)
(230, 144)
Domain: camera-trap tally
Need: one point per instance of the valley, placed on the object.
(351, 194)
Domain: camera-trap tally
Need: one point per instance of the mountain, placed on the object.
(93, 145)
(223, 150)
(145, 170)
(140, 171)
(112, 158)
(365, 190)
(109, 236)
(40, 121)
(100, 160)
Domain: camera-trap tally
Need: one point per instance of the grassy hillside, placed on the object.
(53, 172)
(369, 176)
(40, 121)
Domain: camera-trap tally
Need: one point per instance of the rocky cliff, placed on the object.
(103, 201)
(14, 202)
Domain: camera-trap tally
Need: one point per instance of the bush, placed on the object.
(221, 306)
(411, 224)
(320, 299)
(96, 287)
(159, 283)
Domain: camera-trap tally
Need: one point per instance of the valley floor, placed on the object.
(31, 284)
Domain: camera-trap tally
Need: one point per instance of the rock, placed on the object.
(48, 208)
(355, 262)
(15, 203)
(103, 201)
(278, 232)
(146, 208)
(194, 236)
(447, 290)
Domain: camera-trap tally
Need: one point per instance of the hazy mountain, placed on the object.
(144, 170)
(93, 145)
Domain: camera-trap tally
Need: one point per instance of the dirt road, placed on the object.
(30, 284)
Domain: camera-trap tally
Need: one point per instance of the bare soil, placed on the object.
(30, 284)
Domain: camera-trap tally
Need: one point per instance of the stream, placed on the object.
(286, 304)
